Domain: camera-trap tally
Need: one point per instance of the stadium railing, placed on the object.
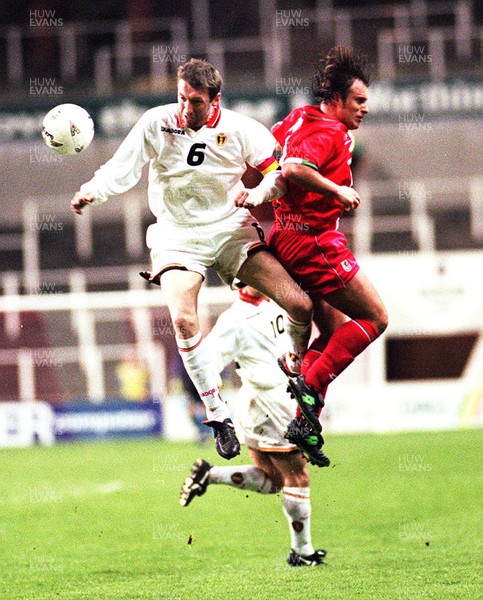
(396, 36)
(139, 308)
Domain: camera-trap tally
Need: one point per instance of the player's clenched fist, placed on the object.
(272, 186)
(348, 197)
(80, 200)
(248, 198)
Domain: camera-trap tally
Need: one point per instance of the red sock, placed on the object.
(346, 343)
(313, 353)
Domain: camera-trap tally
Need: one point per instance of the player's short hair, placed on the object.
(336, 72)
(200, 74)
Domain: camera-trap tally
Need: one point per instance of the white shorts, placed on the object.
(262, 417)
(222, 246)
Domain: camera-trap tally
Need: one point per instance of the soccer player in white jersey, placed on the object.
(251, 333)
(197, 154)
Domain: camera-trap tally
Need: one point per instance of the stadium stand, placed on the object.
(26, 344)
(257, 41)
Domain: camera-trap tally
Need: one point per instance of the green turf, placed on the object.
(398, 514)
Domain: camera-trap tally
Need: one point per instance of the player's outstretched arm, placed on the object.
(80, 200)
(313, 181)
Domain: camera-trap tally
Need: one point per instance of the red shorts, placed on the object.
(320, 263)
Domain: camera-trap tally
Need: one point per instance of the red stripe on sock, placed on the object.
(192, 347)
(368, 328)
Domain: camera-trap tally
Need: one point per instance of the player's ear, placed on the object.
(216, 99)
(337, 99)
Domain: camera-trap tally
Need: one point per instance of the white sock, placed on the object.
(245, 477)
(198, 362)
(299, 334)
(297, 509)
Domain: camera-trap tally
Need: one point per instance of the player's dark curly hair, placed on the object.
(200, 74)
(336, 73)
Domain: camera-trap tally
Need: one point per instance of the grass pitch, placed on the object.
(398, 514)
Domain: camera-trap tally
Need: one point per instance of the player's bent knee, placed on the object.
(307, 306)
(302, 310)
(378, 319)
(382, 321)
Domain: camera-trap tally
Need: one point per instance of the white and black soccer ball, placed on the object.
(68, 129)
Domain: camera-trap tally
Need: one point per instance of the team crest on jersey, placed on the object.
(345, 264)
(221, 139)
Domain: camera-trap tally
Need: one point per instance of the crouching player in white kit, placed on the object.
(198, 153)
(251, 333)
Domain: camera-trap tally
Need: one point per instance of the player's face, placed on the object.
(354, 108)
(195, 105)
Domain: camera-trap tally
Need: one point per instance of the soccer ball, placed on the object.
(68, 129)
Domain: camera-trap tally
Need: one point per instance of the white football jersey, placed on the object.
(193, 175)
(251, 333)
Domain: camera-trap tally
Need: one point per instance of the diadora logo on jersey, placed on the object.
(221, 139)
(173, 130)
(345, 264)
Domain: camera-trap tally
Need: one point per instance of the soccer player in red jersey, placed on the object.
(316, 158)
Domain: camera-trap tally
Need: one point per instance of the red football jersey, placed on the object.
(310, 137)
